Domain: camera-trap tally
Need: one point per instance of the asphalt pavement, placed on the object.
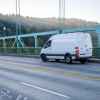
(23, 78)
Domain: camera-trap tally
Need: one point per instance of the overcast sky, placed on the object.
(83, 9)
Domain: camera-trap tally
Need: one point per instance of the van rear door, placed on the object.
(86, 46)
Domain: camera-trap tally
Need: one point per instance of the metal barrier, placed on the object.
(34, 51)
(96, 52)
(20, 51)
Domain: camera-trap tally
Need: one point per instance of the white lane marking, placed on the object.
(45, 90)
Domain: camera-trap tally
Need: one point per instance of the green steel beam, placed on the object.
(19, 42)
(50, 33)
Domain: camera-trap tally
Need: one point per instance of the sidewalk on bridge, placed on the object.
(21, 55)
(94, 60)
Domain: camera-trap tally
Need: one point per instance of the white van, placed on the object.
(69, 46)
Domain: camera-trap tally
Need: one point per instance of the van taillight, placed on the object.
(77, 52)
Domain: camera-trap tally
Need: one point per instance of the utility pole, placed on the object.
(61, 15)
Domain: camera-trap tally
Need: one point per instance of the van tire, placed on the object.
(68, 59)
(44, 58)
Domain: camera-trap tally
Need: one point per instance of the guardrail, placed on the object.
(19, 51)
(96, 52)
(33, 51)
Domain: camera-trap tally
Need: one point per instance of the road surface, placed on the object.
(30, 79)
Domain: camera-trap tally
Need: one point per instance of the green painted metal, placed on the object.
(19, 42)
(23, 50)
(98, 34)
(51, 32)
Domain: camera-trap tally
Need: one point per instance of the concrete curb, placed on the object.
(94, 60)
(30, 56)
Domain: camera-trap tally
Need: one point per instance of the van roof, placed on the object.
(69, 35)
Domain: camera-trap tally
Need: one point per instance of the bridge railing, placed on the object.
(30, 51)
(96, 52)
(20, 51)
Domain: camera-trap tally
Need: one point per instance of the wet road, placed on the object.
(30, 79)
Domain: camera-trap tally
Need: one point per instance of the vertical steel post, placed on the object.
(18, 25)
(16, 40)
(36, 41)
(19, 16)
(98, 35)
(61, 15)
(4, 45)
(36, 44)
(35, 37)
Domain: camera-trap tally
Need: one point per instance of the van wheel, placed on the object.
(68, 59)
(44, 58)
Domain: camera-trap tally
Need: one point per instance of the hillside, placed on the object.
(29, 24)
